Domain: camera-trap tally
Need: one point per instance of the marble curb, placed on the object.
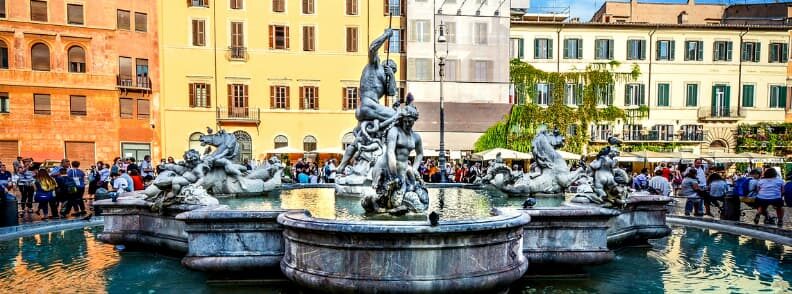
(43, 227)
(758, 232)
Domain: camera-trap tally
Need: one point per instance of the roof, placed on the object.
(656, 25)
(460, 117)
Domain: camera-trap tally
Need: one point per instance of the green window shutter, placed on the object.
(782, 93)
(598, 49)
(579, 43)
(773, 54)
(714, 101)
(610, 49)
(567, 48)
(727, 101)
(549, 48)
(630, 49)
(700, 56)
(520, 48)
(715, 51)
(627, 94)
(729, 51)
(549, 94)
(744, 52)
(641, 96)
(579, 96)
(784, 52)
(643, 49)
(657, 50)
(757, 52)
(692, 95)
(536, 48)
(662, 95)
(671, 48)
(748, 96)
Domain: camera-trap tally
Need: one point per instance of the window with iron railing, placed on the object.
(691, 133)
(601, 132)
(198, 3)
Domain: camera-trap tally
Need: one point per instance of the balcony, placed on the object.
(237, 53)
(697, 136)
(239, 115)
(719, 114)
(139, 83)
(650, 136)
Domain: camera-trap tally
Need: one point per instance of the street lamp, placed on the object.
(442, 52)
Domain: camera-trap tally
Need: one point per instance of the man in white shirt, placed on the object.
(147, 169)
(701, 173)
(660, 184)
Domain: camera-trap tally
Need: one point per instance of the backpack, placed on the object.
(742, 187)
(788, 194)
(69, 186)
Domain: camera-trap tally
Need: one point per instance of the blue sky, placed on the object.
(586, 8)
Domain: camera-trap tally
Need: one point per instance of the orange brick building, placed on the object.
(78, 79)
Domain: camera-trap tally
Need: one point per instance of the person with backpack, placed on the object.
(45, 194)
(769, 193)
(78, 176)
(65, 193)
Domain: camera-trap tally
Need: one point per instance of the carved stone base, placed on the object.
(642, 219)
(354, 190)
(567, 236)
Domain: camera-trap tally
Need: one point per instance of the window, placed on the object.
(76, 59)
(601, 132)
(350, 95)
(41, 104)
(603, 49)
(278, 37)
(141, 22)
(125, 71)
(245, 145)
(143, 109)
(722, 51)
(604, 94)
(308, 6)
(200, 95)
(74, 14)
(542, 96)
(278, 5)
(419, 69)
(279, 97)
(665, 50)
(516, 48)
(194, 142)
(451, 70)
(482, 71)
(751, 51)
(691, 95)
(694, 50)
(481, 33)
(420, 31)
(2, 9)
(573, 49)
(636, 49)
(351, 7)
(309, 143)
(634, 95)
(198, 3)
(663, 95)
(393, 7)
(573, 94)
(198, 32)
(779, 53)
(77, 105)
(721, 97)
(127, 106)
(236, 4)
(38, 10)
(309, 39)
(748, 94)
(663, 133)
(543, 48)
(572, 130)
(3, 54)
(692, 133)
(142, 73)
(351, 39)
(280, 141)
(238, 100)
(450, 31)
(5, 105)
(309, 97)
(396, 42)
(122, 19)
(237, 40)
(633, 132)
(40, 57)
(778, 96)
(348, 139)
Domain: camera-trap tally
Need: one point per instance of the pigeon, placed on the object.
(434, 219)
(529, 203)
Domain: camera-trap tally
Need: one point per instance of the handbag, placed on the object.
(43, 196)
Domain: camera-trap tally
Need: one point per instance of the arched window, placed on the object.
(245, 145)
(347, 140)
(281, 141)
(3, 55)
(40, 57)
(309, 143)
(76, 59)
(195, 142)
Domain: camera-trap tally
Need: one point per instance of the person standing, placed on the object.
(17, 164)
(104, 174)
(769, 193)
(147, 169)
(718, 188)
(26, 184)
(45, 194)
(79, 179)
(689, 189)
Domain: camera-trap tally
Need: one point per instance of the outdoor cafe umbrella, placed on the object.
(284, 150)
(764, 158)
(505, 154)
(330, 150)
(568, 155)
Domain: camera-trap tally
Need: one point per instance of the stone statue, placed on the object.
(398, 185)
(609, 183)
(548, 175)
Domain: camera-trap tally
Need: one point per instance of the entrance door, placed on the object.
(84, 152)
(237, 100)
(721, 101)
(135, 150)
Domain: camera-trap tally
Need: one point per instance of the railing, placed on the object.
(719, 113)
(237, 53)
(697, 136)
(238, 114)
(139, 82)
(652, 135)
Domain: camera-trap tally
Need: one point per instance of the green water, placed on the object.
(450, 203)
(689, 261)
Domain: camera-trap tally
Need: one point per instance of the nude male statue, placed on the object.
(378, 79)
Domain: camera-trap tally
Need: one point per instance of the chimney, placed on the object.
(691, 2)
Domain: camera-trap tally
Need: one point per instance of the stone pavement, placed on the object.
(677, 207)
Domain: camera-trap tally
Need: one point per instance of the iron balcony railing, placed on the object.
(696, 136)
(720, 113)
(238, 114)
(140, 82)
(237, 53)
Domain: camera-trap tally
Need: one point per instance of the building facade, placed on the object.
(697, 82)
(657, 12)
(288, 78)
(78, 79)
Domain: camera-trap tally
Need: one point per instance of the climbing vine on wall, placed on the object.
(517, 129)
(773, 138)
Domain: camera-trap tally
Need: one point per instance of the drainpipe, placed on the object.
(217, 85)
(558, 48)
(649, 56)
(739, 72)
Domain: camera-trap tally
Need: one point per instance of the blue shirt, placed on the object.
(129, 180)
(718, 188)
(303, 178)
(78, 176)
(770, 188)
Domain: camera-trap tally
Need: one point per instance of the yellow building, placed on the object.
(277, 73)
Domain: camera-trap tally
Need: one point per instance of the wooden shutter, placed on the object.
(143, 109)
(344, 105)
(84, 152)
(41, 104)
(308, 39)
(671, 49)
(286, 36)
(349, 7)
(316, 98)
(40, 57)
(192, 91)
(302, 97)
(271, 36)
(141, 22)
(74, 14)
(38, 10)
(76, 54)
(245, 96)
(272, 97)
(386, 11)
(208, 95)
(123, 19)
(230, 96)
(237, 37)
(9, 150)
(125, 67)
(77, 105)
(287, 89)
(127, 106)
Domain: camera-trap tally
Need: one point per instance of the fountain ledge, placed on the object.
(643, 218)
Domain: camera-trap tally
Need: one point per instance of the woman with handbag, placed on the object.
(45, 194)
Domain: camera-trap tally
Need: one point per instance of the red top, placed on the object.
(138, 182)
(667, 173)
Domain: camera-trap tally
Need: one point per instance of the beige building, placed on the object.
(658, 12)
(697, 81)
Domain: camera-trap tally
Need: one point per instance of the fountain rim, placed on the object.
(506, 218)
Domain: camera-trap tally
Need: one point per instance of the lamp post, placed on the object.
(442, 53)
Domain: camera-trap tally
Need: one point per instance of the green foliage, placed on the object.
(772, 138)
(517, 129)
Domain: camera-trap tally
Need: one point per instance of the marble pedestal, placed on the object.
(480, 256)
(567, 236)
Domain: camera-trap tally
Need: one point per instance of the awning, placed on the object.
(505, 154)
(284, 150)
(329, 150)
(568, 155)
(764, 158)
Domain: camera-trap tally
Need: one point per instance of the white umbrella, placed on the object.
(568, 155)
(505, 154)
(331, 150)
(283, 150)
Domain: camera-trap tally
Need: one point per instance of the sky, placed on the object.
(586, 8)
